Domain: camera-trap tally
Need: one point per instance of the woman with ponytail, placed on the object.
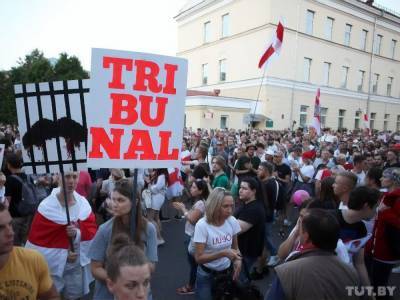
(145, 236)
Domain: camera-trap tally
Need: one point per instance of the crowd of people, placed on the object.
(334, 200)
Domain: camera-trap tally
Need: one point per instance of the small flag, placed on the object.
(275, 45)
(316, 121)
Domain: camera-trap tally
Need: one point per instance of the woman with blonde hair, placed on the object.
(216, 245)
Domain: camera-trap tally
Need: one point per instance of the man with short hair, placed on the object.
(315, 272)
(392, 160)
(345, 182)
(23, 273)
(359, 162)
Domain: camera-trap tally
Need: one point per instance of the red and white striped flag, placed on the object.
(316, 121)
(274, 47)
(366, 122)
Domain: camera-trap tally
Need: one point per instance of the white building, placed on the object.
(350, 49)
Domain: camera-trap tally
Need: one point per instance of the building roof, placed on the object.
(189, 4)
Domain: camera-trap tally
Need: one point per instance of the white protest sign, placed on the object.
(2, 147)
(52, 124)
(135, 112)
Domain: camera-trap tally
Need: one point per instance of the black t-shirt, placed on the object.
(251, 242)
(283, 170)
(349, 232)
(269, 191)
(14, 190)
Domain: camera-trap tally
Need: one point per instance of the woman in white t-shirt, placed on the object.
(216, 245)
(199, 192)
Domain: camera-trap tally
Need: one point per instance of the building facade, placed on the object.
(347, 48)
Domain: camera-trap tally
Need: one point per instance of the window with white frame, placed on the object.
(364, 36)
(342, 113)
(345, 75)
(372, 121)
(207, 32)
(222, 70)
(204, 73)
(398, 123)
(329, 28)
(386, 122)
(375, 83)
(357, 118)
(347, 34)
(324, 113)
(361, 76)
(307, 69)
(389, 87)
(378, 43)
(303, 115)
(327, 70)
(225, 25)
(393, 48)
(309, 22)
(223, 122)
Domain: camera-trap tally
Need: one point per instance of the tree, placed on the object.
(35, 68)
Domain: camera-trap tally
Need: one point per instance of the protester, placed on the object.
(345, 182)
(128, 270)
(199, 192)
(145, 235)
(21, 267)
(216, 244)
(315, 272)
(65, 246)
(220, 178)
(382, 250)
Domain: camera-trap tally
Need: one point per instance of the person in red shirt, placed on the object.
(381, 251)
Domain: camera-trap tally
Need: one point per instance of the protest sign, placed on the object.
(52, 124)
(135, 110)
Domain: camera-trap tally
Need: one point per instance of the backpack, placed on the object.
(29, 197)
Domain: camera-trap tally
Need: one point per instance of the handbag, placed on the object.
(146, 197)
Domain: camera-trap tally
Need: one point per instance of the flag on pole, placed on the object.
(316, 121)
(275, 45)
(366, 122)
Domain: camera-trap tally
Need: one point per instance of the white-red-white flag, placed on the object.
(274, 47)
(316, 121)
(366, 121)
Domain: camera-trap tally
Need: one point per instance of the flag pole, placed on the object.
(258, 96)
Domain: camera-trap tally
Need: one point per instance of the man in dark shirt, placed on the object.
(251, 217)
(13, 197)
(361, 207)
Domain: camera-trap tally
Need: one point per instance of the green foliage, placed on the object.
(35, 68)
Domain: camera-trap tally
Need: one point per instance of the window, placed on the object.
(361, 75)
(207, 32)
(389, 87)
(303, 115)
(372, 121)
(329, 28)
(307, 69)
(309, 22)
(223, 122)
(364, 36)
(225, 25)
(398, 123)
(342, 112)
(357, 119)
(377, 46)
(386, 122)
(345, 74)
(347, 34)
(393, 48)
(324, 112)
(375, 84)
(327, 69)
(222, 70)
(204, 73)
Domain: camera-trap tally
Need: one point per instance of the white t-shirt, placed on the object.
(360, 178)
(216, 239)
(199, 205)
(307, 171)
(2, 193)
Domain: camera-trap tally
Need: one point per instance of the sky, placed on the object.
(75, 26)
